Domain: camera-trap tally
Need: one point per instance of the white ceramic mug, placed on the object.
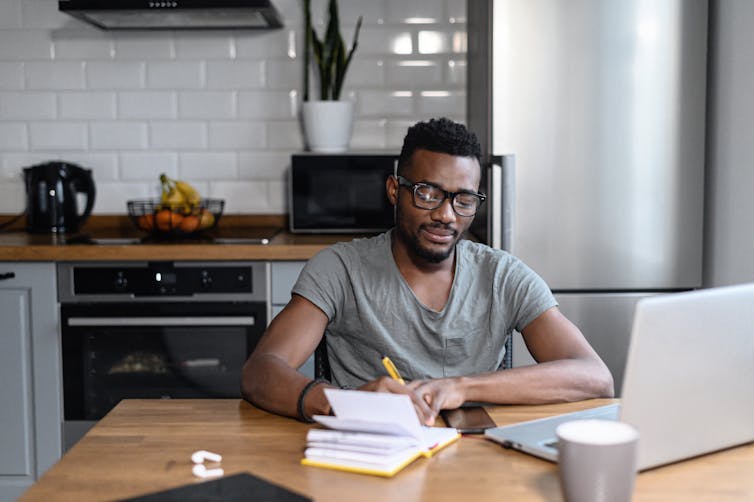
(597, 460)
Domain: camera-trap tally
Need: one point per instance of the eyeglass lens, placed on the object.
(430, 197)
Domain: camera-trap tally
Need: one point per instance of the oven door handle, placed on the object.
(162, 321)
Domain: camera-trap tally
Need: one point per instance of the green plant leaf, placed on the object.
(329, 53)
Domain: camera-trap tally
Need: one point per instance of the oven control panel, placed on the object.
(163, 279)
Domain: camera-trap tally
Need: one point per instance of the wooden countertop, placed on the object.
(144, 446)
(18, 245)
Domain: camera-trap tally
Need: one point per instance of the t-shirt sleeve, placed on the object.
(528, 295)
(321, 281)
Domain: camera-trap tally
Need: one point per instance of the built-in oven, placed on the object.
(155, 330)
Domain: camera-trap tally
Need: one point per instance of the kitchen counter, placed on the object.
(18, 245)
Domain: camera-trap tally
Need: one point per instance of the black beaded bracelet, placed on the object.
(300, 404)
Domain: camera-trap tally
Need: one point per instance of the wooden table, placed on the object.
(144, 446)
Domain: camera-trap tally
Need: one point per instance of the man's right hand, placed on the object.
(425, 413)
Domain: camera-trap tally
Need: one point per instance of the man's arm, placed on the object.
(270, 378)
(568, 369)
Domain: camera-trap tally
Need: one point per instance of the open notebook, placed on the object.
(372, 433)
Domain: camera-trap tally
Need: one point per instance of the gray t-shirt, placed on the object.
(373, 312)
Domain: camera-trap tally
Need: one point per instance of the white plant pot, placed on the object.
(327, 125)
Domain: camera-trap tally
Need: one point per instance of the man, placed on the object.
(440, 307)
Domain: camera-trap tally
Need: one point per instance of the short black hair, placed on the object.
(442, 136)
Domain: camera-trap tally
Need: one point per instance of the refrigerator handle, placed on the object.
(502, 190)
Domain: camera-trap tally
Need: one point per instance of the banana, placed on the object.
(189, 193)
(177, 194)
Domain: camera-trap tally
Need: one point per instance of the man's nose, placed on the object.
(445, 213)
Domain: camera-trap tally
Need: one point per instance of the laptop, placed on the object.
(689, 381)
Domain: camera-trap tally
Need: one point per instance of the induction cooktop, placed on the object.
(240, 236)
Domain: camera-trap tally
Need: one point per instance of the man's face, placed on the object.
(432, 234)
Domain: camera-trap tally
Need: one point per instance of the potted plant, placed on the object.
(327, 121)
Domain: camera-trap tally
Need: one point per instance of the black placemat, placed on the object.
(237, 488)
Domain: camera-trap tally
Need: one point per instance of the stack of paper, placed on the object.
(372, 433)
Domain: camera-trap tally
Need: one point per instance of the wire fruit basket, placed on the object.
(174, 221)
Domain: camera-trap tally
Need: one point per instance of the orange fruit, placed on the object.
(146, 222)
(189, 224)
(166, 220)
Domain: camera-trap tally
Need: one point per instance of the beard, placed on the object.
(415, 245)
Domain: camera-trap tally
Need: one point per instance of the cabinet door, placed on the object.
(283, 276)
(30, 383)
(16, 432)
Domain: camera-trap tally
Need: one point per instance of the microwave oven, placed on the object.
(340, 193)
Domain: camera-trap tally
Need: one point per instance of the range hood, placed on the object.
(174, 14)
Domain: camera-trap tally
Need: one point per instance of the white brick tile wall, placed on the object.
(456, 11)
(118, 135)
(455, 73)
(203, 45)
(10, 15)
(148, 165)
(263, 166)
(207, 105)
(175, 74)
(405, 72)
(371, 12)
(179, 135)
(137, 45)
(148, 105)
(238, 135)
(386, 103)
(284, 73)
(112, 196)
(85, 44)
(209, 165)
(37, 14)
(277, 197)
(382, 40)
(111, 75)
(369, 134)
(11, 76)
(396, 131)
(265, 44)
(433, 42)
(242, 196)
(21, 45)
(438, 103)
(57, 135)
(55, 75)
(104, 165)
(415, 11)
(86, 105)
(13, 195)
(27, 105)
(235, 74)
(13, 136)
(267, 105)
(366, 72)
(284, 135)
(219, 107)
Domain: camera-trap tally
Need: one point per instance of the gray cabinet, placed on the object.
(283, 275)
(30, 383)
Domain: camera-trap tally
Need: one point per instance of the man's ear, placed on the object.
(391, 188)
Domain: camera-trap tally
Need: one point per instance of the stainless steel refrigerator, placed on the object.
(592, 113)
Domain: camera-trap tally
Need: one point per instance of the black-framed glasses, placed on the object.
(427, 196)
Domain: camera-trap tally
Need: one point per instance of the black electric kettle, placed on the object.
(51, 190)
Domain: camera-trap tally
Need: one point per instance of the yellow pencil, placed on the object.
(392, 370)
